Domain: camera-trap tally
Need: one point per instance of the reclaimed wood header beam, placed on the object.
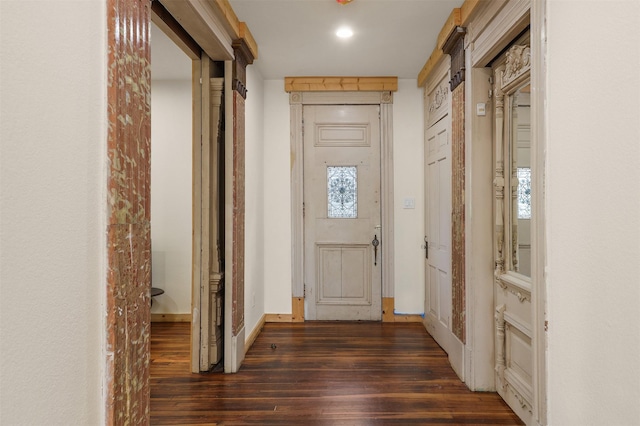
(458, 17)
(340, 84)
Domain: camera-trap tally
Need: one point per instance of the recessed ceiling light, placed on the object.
(344, 32)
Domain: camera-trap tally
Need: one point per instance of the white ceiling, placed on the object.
(297, 37)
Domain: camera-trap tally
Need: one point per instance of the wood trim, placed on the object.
(452, 22)
(297, 196)
(204, 23)
(389, 315)
(340, 84)
(387, 309)
(251, 338)
(458, 16)
(466, 10)
(297, 307)
(433, 61)
(170, 317)
(408, 318)
(196, 254)
(278, 317)
(538, 16)
(246, 35)
(172, 28)
(230, 21)
(504, 27)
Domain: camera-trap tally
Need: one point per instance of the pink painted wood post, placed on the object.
(128, 229)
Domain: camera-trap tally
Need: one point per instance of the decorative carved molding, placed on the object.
(295, 98)
(500, 364)
(386, 98)
(439, 98)
(505, 285)
(243, 57)
(518, 63)
(454, 46)
(524, 404)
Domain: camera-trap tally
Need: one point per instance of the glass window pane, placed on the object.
(524, 193)
(342, 190)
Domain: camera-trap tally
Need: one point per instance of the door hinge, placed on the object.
(303, 212)
(304, 290)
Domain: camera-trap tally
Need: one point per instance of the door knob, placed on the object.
(425, 246)
(375, 244)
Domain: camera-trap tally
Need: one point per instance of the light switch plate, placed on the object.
(409, 203)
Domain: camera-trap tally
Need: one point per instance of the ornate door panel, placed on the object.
(513, 196)
(342, 212)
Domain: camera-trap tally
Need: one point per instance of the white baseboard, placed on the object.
(254, 334)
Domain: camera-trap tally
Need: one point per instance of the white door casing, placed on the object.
(342, 216)
(438, 233)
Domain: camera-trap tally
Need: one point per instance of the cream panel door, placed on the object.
(512, 216)
(438, 238)
(343, 246)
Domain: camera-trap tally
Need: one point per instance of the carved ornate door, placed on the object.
(343, 245)
(513, 214)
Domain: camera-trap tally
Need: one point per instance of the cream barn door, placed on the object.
(438, 238)
(343, 247)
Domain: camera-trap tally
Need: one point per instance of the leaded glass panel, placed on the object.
(342, 190)
(524, 193)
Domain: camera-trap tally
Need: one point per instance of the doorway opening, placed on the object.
(187, 191)
(381, 254)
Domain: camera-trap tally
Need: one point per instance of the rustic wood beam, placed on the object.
(458, 17)
(340, 84)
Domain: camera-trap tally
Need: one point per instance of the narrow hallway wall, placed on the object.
(255, 248)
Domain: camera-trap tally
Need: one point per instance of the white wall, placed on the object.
(52, 202)
(171, 193)
(593, 212)
(277, 199)
(254, 201)
(408, 183)
(408, 153)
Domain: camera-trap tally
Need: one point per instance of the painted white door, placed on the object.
(513, 214)
(438, 233)
(343, 245)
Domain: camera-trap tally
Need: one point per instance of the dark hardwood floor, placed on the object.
(319, 373)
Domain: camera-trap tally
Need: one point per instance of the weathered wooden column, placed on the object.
(235, 284)
(454, 46)
(128, 217)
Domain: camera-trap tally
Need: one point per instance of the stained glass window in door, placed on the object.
(342, 190)
(524, 193)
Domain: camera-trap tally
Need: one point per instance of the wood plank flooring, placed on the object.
(319, 373)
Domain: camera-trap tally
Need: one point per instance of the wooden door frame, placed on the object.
(205, 32)
(490, 29)
(297, 99)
